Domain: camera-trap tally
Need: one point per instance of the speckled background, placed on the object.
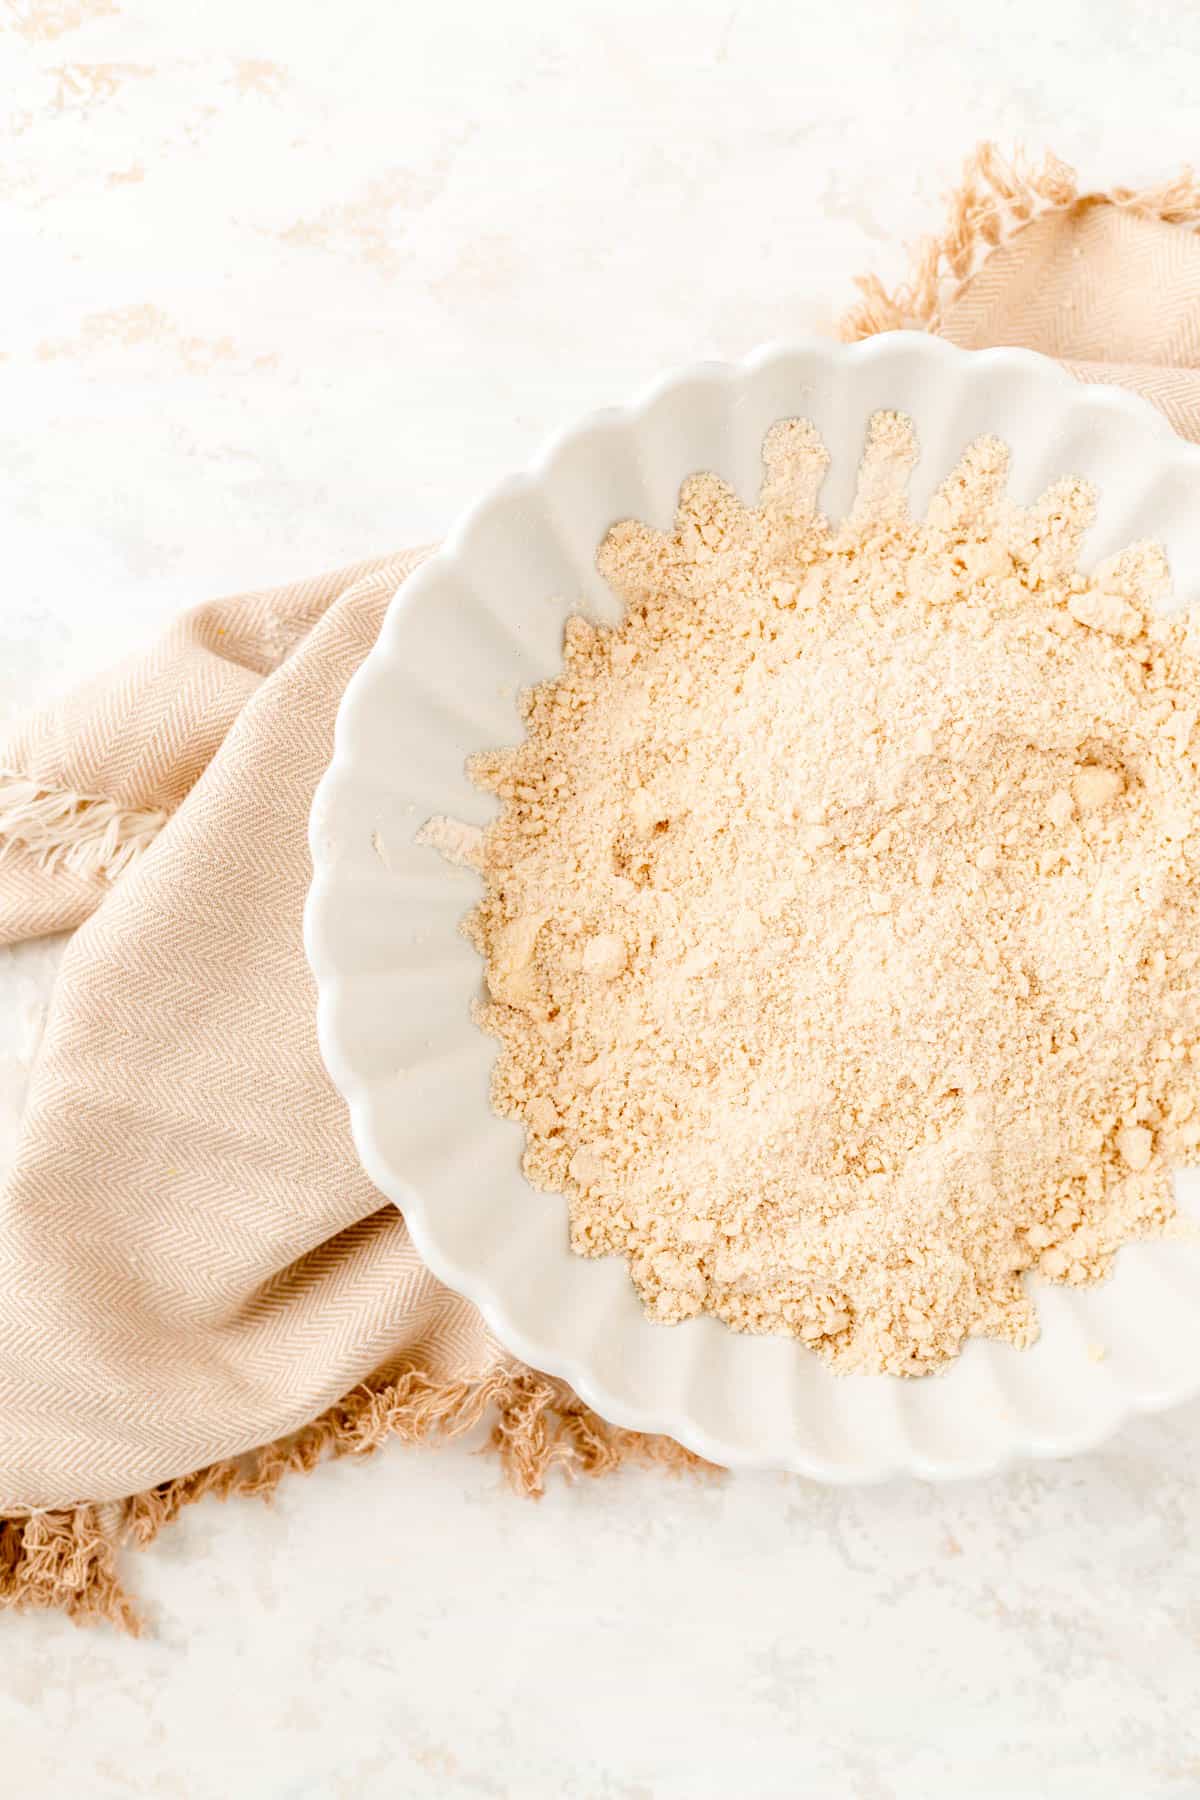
(286, 283)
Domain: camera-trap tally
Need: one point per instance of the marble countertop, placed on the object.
(286, 285)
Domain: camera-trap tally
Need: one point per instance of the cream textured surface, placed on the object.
(283, 298)
(806, 826)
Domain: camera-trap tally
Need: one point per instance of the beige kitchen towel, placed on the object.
(199, 1288)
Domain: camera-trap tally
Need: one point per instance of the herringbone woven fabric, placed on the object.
(191, 1261)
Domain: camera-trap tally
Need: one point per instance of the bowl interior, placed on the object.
(396, 979)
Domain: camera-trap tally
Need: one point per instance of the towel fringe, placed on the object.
(996, 198)
(91, 836)
(68, 1560)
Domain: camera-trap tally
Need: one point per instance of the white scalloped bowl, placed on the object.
(482, 619)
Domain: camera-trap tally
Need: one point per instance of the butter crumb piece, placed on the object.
(1106, 612)
(1061, 807)
(457, 842)
(1095, 787)
(586, 1167)
(543, 1114)
(604, 956)
(1135, 1144)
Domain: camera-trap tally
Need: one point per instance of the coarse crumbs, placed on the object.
(842, 917)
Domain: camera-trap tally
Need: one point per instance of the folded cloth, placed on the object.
(199, 1287)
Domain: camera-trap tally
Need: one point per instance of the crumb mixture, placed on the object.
(842, 918)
